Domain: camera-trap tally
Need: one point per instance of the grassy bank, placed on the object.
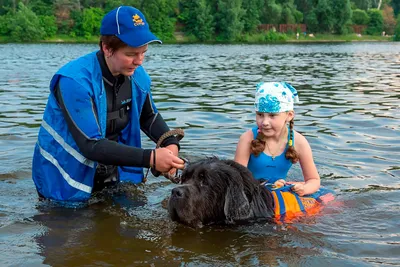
(259, 38)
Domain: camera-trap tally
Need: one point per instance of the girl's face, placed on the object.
(125, 60)
(272, 124)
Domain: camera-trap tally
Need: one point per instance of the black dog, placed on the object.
(223, 191)
(219, 191)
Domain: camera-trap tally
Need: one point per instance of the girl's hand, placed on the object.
(298, 188)
(280, 183)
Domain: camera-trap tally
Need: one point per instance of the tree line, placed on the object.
(199, 20)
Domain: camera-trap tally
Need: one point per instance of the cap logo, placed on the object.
(137, 20)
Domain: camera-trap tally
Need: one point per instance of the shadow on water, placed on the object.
(350, 98)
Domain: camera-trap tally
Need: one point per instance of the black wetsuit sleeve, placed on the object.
(92, 146)
(153, 124)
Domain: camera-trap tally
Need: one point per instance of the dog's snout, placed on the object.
(178, 192)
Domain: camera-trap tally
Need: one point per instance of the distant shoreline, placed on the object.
(253, 39)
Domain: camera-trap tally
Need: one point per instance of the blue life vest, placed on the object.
(264, 167)
(59, 170)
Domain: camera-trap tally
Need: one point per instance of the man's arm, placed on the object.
(154, 126)
(80, 114)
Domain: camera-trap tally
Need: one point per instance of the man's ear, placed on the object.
(237, 206)
(106, 50)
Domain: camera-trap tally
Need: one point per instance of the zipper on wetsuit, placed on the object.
(115, 95)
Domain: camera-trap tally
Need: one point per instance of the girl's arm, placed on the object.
(242, 153)
(312, 180)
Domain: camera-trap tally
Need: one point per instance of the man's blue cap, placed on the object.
(129, 25)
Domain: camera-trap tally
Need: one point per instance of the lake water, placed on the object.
(349, 112)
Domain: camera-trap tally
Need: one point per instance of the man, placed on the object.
(90, 135)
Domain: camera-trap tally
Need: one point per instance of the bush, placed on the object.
(396, 36)
(48, 23)
(375, 25)
(360, 17)
(25, 26)
(272, 36)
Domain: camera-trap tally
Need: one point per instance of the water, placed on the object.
(350, 97)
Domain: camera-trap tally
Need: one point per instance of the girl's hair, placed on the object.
(258, 145)
(111, 41)
(291, 153)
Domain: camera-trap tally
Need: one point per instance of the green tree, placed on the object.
(251, 18)
(91, 21)
(197, 18)
(160, 15)
(325, 16)
(360, 17)
(49, 25)
(389, 20)
(204, 28)
(341, 15)
(375, 25)
(4, 25)
(311, 21)
(271, 13)
(77, 29)
(396, 7)
(396, 36)
(229, 19)
(42, 7)
(290, 14)
(363, 4)
(25, 26)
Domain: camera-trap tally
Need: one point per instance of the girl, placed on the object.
(270, 149)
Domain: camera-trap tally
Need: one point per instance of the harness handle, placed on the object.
(179, 134)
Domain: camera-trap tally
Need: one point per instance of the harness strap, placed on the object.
(117, 114)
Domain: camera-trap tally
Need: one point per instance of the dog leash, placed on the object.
(179, 134)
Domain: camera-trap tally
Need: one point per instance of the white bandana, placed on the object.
(275, 97)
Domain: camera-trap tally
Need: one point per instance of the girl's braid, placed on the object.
(291, 153)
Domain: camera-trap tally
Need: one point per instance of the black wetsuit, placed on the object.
(108, 152)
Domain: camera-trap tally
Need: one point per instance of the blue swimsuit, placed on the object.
(264, 167)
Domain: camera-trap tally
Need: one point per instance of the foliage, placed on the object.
(197, 18)
(251, 17)
(48, 23)
(396, 36)
(271, 13)
(160, 14)
(375, 25)
(362, 4)
(202, 20)
(389, 21)
(91, 21)
(324, 15)
(341, 16)
(360, 17)
(229, 19)
(396, 7)
(24, 25)
(272, 36)
(204, 27)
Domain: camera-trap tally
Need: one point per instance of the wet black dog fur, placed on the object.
(214, 191)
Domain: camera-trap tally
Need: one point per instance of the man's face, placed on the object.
(125, 60)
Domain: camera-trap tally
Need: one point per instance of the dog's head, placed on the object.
(213, 191)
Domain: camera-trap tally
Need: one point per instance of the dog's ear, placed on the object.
(237, 206)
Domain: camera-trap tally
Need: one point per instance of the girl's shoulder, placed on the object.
(300, 140)
(247, 136)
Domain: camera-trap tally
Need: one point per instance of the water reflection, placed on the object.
(350, 98)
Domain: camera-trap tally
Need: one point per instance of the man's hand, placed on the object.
(174, 149)
(165, 160)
